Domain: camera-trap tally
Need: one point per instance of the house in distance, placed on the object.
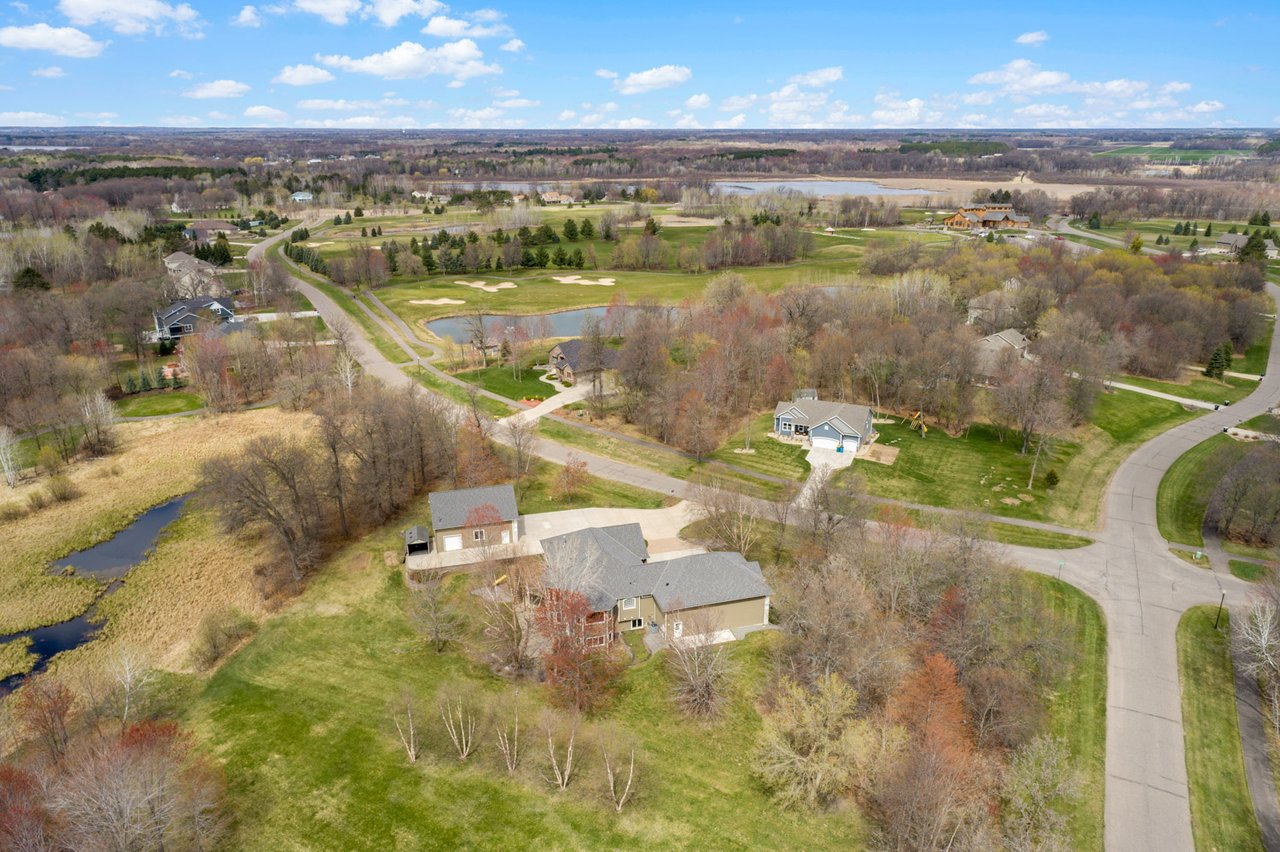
(474, 517)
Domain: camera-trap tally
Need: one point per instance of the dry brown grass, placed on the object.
(158, 461)
(15, 658)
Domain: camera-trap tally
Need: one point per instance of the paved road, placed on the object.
(1141, 588)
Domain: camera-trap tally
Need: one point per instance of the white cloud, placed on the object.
(30, 119)
(738, 102)
(1206, 106)
(216, 89)
(180, 74)
(1035, 39)
(98, 116)
(483, 117)
(51, 71)
(818, 78)
(134, 17)
(342, 104)
(517, 103)
(486, 23)
(701, 101)
(335, 12)
(628, 124)
(1175, 86)
(302, 75)
(181, 121)
(566, 115)
(893, 111)
(506, 93)
(514, 45)
(1022, 76)
(266, 113)
(606, 74)
(1041, 111)
(360, 121)
(389, 12)
(979, 98)
(248, 17)
(460, 60)
(685, 120)
(661, 77)
(64, 41)
(736, 121)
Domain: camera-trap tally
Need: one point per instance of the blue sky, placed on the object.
(654, 63)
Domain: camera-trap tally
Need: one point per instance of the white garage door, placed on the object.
(825, 443)
(453, 542)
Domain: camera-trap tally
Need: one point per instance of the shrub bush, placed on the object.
(217, 633)
(61, 489)
(11, 511)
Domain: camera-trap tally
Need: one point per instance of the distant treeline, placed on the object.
(56, 177)
(955, 148)
(756, 153)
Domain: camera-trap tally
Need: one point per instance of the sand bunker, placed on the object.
(488, 288)
(437, 301)
(318, 245)
(587, 282)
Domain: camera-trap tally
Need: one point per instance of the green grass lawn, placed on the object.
(1249, 571)
(768, 455)
(979, 472)
(1254, 359)
(1078, 704)
(1199, 387)
(657, 457)
(1268, 423)
(1221, 812)
(536, 493)
(498, 379)
(1266, 554)
(1184, 491)
(458, 393)
(1029, 537)
(158, 402)
(298, 720)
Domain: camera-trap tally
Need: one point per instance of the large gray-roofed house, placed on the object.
(567, 358)
(185, 316)
(474, 517)
(827, 425)
(995, 350)
(629, 593)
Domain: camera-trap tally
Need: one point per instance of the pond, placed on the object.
(111, 561)
(814, 187)
(557, 324)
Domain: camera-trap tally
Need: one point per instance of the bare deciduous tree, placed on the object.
(8, 456)
(131, 674)
(619, 789)
(562, 767)
(507, 735)
(730, 517)
(402, 712)
(432, 614)
(1258, 636)
(698, 666)
(460, 723)
(98, 416)
(522, 437)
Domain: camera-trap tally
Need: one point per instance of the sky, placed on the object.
(649, 64)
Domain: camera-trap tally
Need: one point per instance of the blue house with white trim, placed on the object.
(836, 426)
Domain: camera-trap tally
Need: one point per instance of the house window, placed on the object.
(628, 603)
(477, 535)
(786, 425)
(637, 623)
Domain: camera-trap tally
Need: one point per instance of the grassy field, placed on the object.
(458, 393)
(1254, 359)
(498, 379)
(16, 658)
(1078, 705)
(1162, 154)
(1029, 537)
(1268, 423)
(1198, 387)
(979, 472)
(768, 456)
(536, 496)
(1184, 491)
(1221, 812)
(1249, 571)
(298, 719)
(158, 460)
(158, 402)
(1149, 229)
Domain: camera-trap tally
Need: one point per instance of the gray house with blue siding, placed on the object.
(825, 425)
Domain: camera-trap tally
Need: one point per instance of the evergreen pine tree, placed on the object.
(1195, 245)
(1177, 229)
(1265, 219)
(346, 219)
(144, 381)
(130, 384)
(1208, 230)
(570, 230)
(587, 230)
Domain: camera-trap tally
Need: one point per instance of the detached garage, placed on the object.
(474, 517)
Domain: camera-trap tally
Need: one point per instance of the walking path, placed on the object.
(1195, 403)
(1141, 588)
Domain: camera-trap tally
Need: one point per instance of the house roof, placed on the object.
(449, 509)
(573, 350)
(1009, 338)
(619, 552)
(848, 419)
(179, 309)
(417, 534)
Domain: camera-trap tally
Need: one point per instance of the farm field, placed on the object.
(1162, 154)
(980, 472)
(1222, 814)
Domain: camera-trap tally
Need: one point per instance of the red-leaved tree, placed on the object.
(580, 668)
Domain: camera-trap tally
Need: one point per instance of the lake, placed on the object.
(111, 560)
(560, 323)
(814, 187)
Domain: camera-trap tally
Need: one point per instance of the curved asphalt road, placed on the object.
(1142, 589)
